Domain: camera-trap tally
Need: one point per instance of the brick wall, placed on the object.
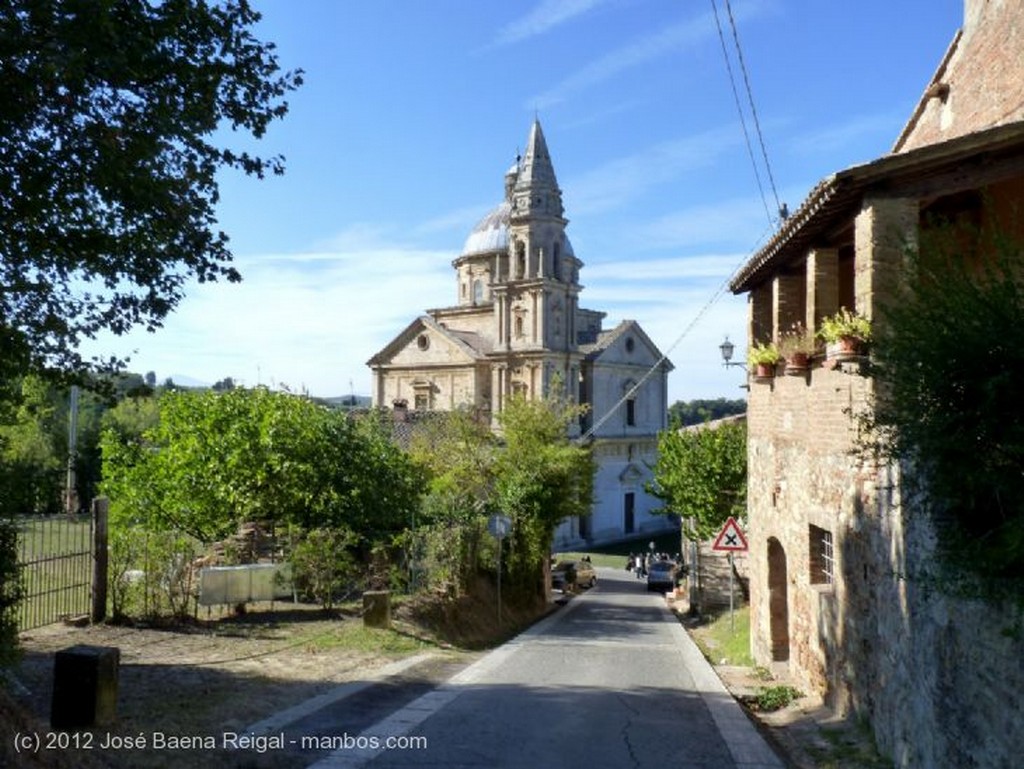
(982, 81)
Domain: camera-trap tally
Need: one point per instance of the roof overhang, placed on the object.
(967, 162)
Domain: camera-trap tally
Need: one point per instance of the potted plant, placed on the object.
(763, 359)
(796, 346)
(845, 334)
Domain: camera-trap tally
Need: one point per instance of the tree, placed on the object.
(457, 453)
(541, 478)
(109, 158)
(33, 449)
(686, 413)
(701, 474)
(216, 460)
(948, 362)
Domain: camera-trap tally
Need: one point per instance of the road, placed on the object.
(611, 680)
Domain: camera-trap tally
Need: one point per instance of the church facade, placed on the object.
(517, 327)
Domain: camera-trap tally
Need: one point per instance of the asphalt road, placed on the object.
(611, 680)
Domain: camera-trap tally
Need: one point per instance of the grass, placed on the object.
(55, 553)
(725, 641)
(598, 559)
(354, 636)
(664, 542)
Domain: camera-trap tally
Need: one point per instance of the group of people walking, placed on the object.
(638, 562)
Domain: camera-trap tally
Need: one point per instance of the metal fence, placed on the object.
(55, 553)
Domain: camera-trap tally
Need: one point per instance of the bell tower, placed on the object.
(540, 291)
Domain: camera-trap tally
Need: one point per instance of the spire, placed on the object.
(537, 169)
(537, 174)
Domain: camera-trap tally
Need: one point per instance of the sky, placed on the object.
(412, 110)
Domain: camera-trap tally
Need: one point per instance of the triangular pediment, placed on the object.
(627, 343)
(425, 343)
(631, 475)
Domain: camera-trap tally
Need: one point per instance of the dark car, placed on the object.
(568, 575)
(662, 575)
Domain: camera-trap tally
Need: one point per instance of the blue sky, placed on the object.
(413, 109)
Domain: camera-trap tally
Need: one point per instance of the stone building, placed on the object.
(834, 538)
(517, 327)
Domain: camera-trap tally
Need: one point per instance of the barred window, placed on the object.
(822, 556)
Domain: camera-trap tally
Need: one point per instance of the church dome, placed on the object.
(491, 233)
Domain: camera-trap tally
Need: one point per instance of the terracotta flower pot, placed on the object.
(797, 363)
(845, 348)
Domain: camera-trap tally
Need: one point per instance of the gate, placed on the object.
(55, 556)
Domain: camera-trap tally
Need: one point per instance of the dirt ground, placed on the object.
(227, 675)
(806, 732)
(213, 678)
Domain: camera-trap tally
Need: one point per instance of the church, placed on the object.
(517, 326)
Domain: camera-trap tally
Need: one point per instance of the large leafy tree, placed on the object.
(109, 153)
(215, 460)
(701, 474)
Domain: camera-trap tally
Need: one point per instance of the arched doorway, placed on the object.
(778, 601)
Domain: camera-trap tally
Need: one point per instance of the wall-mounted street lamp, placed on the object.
(727, 349)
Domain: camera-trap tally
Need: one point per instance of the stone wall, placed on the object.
(938, 676)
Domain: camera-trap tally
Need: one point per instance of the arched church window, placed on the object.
(478, 291)
(556, 262)
(521, 259)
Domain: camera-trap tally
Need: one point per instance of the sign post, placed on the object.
(499, 526)
(730, 539)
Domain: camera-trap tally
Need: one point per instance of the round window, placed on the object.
(423, 341)
(629, 344)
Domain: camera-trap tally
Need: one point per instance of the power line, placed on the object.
(739, 110)
(712, 300)
(753, 109)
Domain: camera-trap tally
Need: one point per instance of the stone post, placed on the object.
(377, 609)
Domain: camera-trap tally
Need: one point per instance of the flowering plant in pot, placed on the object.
(796, 345)
(763, 359)
(845, 334)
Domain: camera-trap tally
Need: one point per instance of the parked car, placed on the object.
(662, 575)
(568, 575)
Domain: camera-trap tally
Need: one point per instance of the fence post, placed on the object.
(100, 506)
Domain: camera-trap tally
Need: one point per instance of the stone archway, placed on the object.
(778, 601)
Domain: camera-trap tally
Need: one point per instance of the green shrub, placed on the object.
(323, 564)
(10, 591)
(771, 698)
(949, 363)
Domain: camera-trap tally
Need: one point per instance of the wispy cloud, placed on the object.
(308, 319)
(839, 137)
(620, 180)
(739, 221)
(688, 268)
(544, 17)
(667, 40)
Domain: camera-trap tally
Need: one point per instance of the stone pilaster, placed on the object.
(759, 314)
(822, 286)
(883, 231)
(788, 299)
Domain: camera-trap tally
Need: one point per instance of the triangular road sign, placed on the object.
(730, 537)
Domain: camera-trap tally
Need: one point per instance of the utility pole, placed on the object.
(71, 494)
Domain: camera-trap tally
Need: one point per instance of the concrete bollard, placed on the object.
(85, 687)
(377, 609)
